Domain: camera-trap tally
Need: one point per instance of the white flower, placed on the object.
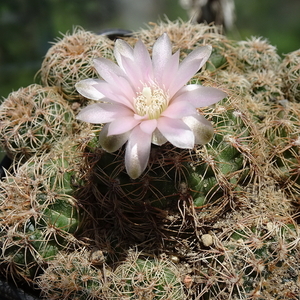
(144, 100)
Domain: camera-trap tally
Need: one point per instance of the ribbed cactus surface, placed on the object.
(39, 213)
(32, 119)
(140, 278)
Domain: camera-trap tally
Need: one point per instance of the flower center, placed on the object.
(151, 102)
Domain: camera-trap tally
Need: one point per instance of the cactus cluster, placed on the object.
(215, 222)
(82, 274)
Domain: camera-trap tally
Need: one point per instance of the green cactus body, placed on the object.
(245, 260)
(72, 276)
(37, 236)
(221, 55)
(32, 120)
(43, 211)
(140, 278)
(282, 132)
(225, 162)
(70, 60)
(291, 73)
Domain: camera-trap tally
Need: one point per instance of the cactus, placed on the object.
(32, 119)
(72, 276)
(258, 257)
(145, 278)
(210, 177)
(282, 131)
(34, 227)
(76, 276)
(39, 214)
(257, 54)
(69, 60)
(225, 212)
(291, 71)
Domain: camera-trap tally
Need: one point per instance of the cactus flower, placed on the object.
(144, 100)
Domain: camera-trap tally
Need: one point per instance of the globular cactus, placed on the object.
(291, 69)
(256, 258)
(208, 178)
(257, 54)
(70, 60)
(32, 119)
(61, 169)
(35, 225)
(39, 214)
(78, 275)
(145, 278)
(282, 132)
(73, 276)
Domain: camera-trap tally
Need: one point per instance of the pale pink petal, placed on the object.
(122, 91)
(182, 76)
(99, 113)
(143, 60)
(122, 49)
(113, 142)
(200, 55)
(200, 96)
(202, 128)
(170, 69)
(176, 132)
(148, 126)
(140, 118)
(122, 86)
(124, 54)
(106, 68)
(179, 109)
(161, 54)
(134, 73)
(97, 89)
(117, 93)
(122, 124)
(157, 138)
(88, 88)
(108, 91)
(137, 152)
(189, 67)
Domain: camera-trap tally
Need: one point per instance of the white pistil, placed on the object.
(152, 101)
(147, 93)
